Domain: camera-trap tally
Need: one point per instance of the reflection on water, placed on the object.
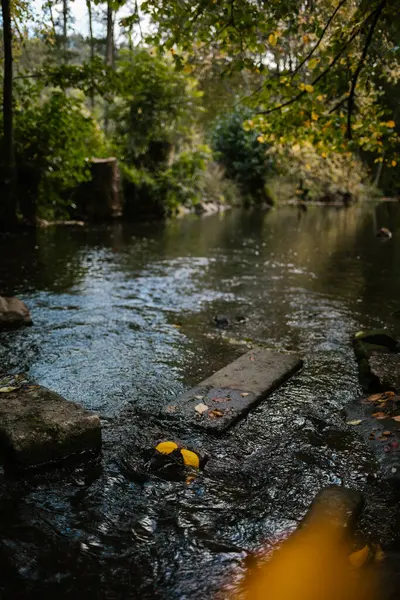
(123, 320)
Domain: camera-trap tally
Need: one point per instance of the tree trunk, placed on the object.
(8, 205)
(89, 8)
(109, 57)
(65, 28)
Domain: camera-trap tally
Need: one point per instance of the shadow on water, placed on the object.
(123, 320)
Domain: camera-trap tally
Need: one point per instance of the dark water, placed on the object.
(123, 323)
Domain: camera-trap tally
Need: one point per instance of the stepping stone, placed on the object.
(228, 395)
(386, 367)
(339, 505)
(38, 426)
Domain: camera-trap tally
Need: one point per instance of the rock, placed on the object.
(341, 505)
(386, 367)
(37, 426)
(13, 313)
(374, 340)
(221, 400)
(221, 321)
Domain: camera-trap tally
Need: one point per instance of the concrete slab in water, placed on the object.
(231, 392)
(38, 426)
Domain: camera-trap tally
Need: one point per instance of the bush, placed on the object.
(243, 157)
(53, 141)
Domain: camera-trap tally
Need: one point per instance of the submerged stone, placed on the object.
(339, 505)
(386, 368)
(38, 426)
(13, 313)
(228, 395)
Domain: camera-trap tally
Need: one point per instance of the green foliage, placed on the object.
(54, 140)
(244, 158)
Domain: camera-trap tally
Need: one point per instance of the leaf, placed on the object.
(199, 397)
(190, 458)
(375, 397)
(166, 447)
(390, 124)
(170, 409)
(380, 415)
(394, 163)
(397, 418)
(354, 422)
(359, 558)
(190, 478)
(5, 390)
(314, 116)
(272, 39)
(386, 433)
(215, 414)
(245, 394)
(220, 399)
(201, 408)
(309, 88)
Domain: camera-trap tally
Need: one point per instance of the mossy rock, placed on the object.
(379, 338)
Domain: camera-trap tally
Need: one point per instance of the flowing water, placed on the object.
(123, 322)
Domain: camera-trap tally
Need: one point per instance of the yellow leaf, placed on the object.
(166, 447)
(379, 554)
(308, 167)
(187, 68)
(314, 116)
(379, 159)
(296, 148)
(5, 390)
(394, 163)
(324, 155)
(320, 98)
(309, 88)
(354, 422)
(272, 39)
(261, 139)
(305, 38)
(190, 458)
(359, 558)
(390, 124)
(313, 63)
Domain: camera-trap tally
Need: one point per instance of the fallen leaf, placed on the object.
(386, 433)
(170, 409)
(354, 422)
(371, 436)
(215, 413)
(166, 447)
(397, 418)
(201, 408)
(199, 397)
(245, 394)
(190, 478)
(389, 394)
(5, 390)
(375, 397)
(359, 558)
(380, 415)
(190, 458)
(220, 399)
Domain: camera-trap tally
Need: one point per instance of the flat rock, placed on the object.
(13, 313)
(225, 397)
(340, 505)
(386, 367)
(38, 426)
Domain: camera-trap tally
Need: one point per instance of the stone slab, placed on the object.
(386, 367)
(38, 426)
(230, 393)
(13, 313)
(339, 505)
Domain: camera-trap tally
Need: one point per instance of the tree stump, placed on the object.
(101, 198)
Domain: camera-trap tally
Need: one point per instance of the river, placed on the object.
(123, 322)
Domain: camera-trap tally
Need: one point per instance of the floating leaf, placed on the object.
(190, 478)
(201, 408)
(5, 390)
(199, 397)
(215, 414)
(379, 415)
(245, 394)
(397, 418)
(170, 409)
(359, 558)
(354, 422)
(190, 458)
(375, 397)
(386, 433)
(166, 447)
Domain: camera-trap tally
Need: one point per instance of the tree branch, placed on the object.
(350, 105)
(309, 55)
